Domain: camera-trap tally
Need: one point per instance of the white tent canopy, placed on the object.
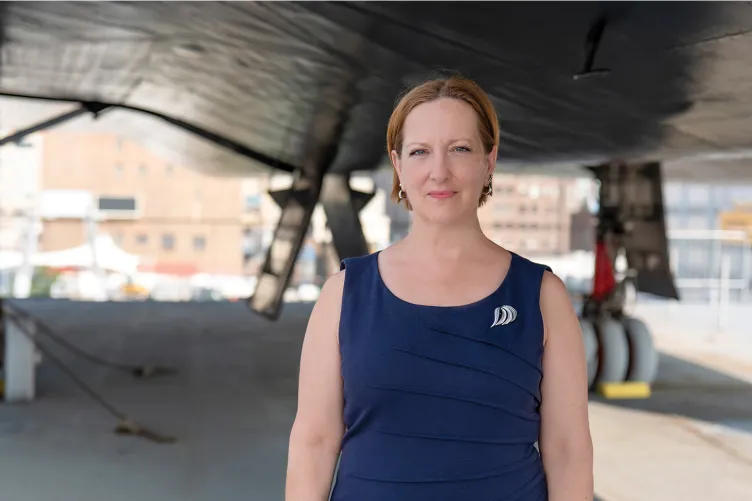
(108, 255)
(10, 260)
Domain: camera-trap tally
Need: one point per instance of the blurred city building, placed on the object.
(526, 214)
(529, 214)
(695, 216)
(176, 219)
(64, 191)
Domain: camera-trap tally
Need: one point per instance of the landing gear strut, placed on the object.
(341, 204)
(619, 347)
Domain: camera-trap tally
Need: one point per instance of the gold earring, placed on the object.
(401, 194)
(488, 189)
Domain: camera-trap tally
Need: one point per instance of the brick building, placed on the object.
(528, 214)
(178, 220)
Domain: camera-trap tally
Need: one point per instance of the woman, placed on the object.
(436, 365)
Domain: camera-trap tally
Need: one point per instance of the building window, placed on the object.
(142, 239)
(117, 203)
(168, 241)
(672, 194)
(199, 243)
(698, 223)
(252, 203)
(697, 257)
(698, 195)
(118, 207)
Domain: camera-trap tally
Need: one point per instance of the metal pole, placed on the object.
(746, 271)
(91, 236)
(723, 293)
(674, 253)
(717, 265)
(24, 274)
(21, 134)
(19, 359)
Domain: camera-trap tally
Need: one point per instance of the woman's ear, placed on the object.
(396, 162)
(491, 160)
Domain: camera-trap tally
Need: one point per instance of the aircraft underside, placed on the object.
(307, 88)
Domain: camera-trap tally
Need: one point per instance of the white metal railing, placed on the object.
(722, 285)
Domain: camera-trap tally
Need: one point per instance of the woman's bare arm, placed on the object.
(318, 428)
(565, 443)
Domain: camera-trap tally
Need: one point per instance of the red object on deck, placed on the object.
(603, 279)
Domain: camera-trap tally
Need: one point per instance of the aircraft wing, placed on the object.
(573, 83)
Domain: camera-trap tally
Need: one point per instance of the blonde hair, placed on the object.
(454, 87)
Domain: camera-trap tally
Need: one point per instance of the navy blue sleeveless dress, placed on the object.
(441, 403)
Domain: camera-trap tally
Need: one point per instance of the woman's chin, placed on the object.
(444, 213)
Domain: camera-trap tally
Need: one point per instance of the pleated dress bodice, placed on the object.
(441, 403)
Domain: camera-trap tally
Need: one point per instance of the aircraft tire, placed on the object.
(590, 340)
(613, 352)
(643, 357)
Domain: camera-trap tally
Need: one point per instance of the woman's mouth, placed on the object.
(442, 194)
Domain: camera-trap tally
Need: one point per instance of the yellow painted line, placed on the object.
(632, 389)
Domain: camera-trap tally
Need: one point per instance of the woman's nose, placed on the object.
(440, 168)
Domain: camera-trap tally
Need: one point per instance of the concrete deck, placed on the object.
(233, 400)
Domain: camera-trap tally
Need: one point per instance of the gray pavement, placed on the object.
(230, 406)
(232, 402)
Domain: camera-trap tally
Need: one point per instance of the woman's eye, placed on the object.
(462, 148)
(417, 152)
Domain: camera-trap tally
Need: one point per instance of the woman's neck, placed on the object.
(445, 241)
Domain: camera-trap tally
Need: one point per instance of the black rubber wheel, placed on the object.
(613, 352)
(590, 340)
(643, 357)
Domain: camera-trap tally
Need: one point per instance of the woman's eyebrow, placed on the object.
(457, 140)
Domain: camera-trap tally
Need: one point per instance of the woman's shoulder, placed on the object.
(335, 283)
(540, 267)
(349, 268)
(356, 261)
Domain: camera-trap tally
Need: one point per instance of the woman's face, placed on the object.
(442, 166)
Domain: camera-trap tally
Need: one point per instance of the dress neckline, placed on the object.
(499, 288)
